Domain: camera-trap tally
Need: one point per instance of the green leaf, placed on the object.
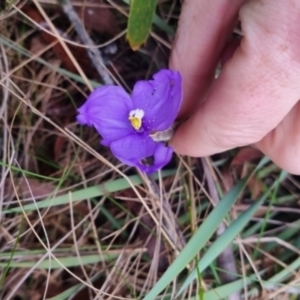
(159, 22)
(140, 21)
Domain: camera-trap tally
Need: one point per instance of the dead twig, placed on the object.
(93, 53)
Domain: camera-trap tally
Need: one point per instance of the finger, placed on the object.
(257, 88)
(282, 144)
(203, 31)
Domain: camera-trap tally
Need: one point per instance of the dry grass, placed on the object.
(115, 241)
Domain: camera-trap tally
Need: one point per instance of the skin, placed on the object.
(255, 100)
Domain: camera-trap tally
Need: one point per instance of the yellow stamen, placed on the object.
(135, 118)
(135, 122)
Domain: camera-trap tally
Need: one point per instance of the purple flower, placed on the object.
(128, 124)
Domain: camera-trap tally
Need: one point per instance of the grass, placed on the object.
(76, 224)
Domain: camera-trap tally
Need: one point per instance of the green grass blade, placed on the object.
(160, 23)
(198, 241)
(32, 254)
(90, 192)
(284, 274)
(222, 242)
(224, 291)
(226, 238)
(72, 291)
(67, 293)
(68, 262)
(11, 255)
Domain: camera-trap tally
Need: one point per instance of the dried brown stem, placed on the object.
(93, 53)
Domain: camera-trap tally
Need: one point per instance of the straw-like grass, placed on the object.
(76, 224)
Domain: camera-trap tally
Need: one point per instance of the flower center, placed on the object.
(135, 118)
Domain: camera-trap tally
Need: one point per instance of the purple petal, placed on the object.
(159, 98)
(133, 148)
(107, 109)
(162, 156)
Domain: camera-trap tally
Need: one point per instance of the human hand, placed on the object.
(255, 100)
